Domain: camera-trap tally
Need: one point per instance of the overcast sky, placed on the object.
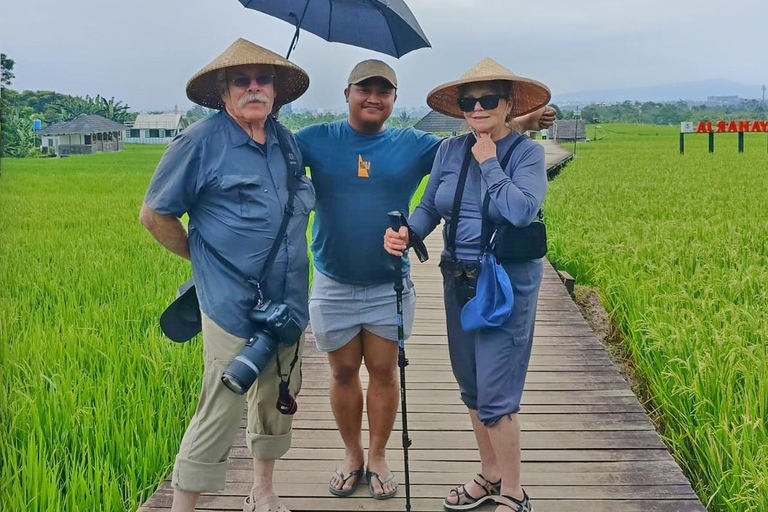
(143, 52)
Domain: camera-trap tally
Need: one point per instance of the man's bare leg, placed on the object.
(346, 393)
(184, 501)
(380, 357)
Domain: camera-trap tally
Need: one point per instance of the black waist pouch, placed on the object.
(515, 245)
(461, 279)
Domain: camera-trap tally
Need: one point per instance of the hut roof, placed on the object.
(84, 123)
(436, 122)
(568, 130)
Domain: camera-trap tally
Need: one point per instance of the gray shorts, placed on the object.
(338, 311)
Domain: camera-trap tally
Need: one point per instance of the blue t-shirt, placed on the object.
(358, 179)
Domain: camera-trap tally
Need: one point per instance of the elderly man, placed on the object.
(229, 173)
(363, 169)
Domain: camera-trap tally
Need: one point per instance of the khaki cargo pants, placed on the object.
(201, 464)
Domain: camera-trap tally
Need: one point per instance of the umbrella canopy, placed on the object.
(386, 26)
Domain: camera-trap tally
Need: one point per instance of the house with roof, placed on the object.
(154, 128)
(435, 122)
(84, 135)
(568, 130)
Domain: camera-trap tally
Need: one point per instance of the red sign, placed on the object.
(732, 126)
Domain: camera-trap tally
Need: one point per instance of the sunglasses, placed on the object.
(244, 81)
(489, 102)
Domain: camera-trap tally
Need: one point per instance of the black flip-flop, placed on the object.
(341, 492)
(370, 475)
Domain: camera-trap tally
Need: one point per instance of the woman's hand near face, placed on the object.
(484, 148)
(396, 242)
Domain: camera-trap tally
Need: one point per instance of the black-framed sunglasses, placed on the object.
(244, 81)
(488, 102)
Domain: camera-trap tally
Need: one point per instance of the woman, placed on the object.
(489, 364)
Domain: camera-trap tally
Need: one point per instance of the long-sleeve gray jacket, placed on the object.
(516, 192)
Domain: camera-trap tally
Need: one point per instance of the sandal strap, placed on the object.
(355, 472)
(460, 491)
(523, 505)
(491, 488)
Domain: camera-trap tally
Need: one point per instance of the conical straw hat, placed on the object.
(290, 81)
(527, 94)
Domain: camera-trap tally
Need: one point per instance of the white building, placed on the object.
(154, 128)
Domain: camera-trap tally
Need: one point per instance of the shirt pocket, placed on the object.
(304, 201)
(245, 190)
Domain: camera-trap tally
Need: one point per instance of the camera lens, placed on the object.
(245, 368)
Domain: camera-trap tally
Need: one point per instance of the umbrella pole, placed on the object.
(295, 39)
(395, 219)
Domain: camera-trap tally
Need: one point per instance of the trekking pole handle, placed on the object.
(396, 220)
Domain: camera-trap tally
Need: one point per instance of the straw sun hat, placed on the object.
(527, 94)
(290, 80)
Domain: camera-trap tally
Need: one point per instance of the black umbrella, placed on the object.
(385, 26)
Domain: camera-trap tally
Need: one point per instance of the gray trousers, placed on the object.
(490, 365)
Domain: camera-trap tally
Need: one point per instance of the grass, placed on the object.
(93, 400)
(678, 248)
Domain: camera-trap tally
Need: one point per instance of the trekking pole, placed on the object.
(396, 221)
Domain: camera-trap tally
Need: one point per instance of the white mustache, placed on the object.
(253, 96)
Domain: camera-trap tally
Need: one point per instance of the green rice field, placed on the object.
(677, 247)
(93, 400)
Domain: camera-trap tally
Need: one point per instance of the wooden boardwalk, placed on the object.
(588, 446)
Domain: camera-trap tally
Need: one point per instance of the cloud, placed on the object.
(144, 52)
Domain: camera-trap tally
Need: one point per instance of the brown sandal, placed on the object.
(516, 505)
(466, 501)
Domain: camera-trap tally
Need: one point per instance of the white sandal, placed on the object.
(269, 503)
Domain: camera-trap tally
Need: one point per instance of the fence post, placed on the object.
(711, 142)
(741, 142)
(682, 143)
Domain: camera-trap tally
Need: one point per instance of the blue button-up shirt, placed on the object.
(235, 192)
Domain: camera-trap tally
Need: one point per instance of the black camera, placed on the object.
(276, 326)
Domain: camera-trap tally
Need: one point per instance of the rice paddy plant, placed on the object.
(678, 248)
(93, 400)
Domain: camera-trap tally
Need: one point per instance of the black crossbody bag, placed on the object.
(509, 243)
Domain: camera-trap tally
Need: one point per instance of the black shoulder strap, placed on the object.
(486, 229)
(450, 243)
(294, 176)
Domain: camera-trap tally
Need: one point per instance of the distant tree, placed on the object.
(69, 107)
(17, 133)
(404, 117)
(114, 110)
(198, 112)
(6, 65)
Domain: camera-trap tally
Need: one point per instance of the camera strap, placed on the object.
(294, 176)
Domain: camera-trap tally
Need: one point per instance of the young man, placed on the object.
(361, 170)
